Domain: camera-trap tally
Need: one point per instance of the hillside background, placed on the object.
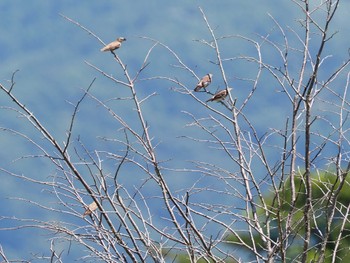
(50, 54)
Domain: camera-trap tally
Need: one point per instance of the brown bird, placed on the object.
(204, 82)
(92, 207)
(220, 95)
(114, 45)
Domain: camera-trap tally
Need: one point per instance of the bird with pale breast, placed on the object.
(91, 207)
(114, 45)
(220, 95)
(204, 82)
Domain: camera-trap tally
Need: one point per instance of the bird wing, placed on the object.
(218, 96)
(203, 83)
(111, 46)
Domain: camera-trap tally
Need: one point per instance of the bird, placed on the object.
(204, 82)
(220, 95)
(114, 45)
(91, 207)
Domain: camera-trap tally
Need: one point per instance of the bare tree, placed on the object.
(263, 208)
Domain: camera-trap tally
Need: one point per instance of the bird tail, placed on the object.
(87, 212)
(103, 49)
(197, 88)
(211, 99)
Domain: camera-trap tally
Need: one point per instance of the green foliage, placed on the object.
(324, 186)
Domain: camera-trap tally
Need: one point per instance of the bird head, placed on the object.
(121, 39)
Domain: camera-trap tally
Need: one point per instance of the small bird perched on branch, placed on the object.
(114, 45)
(92, 207)
(220, 95)
(204, 82)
